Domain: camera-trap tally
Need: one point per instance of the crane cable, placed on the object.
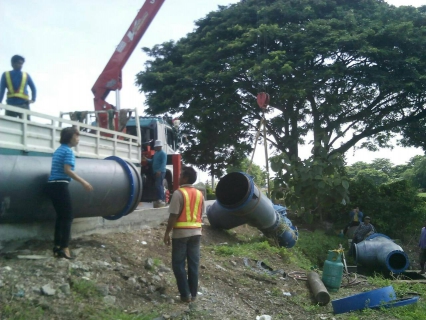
(263, 105)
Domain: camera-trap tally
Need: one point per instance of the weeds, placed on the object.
(85, 289)
(157, 262)
(92, 312)
(249, 250)
(23, 311)
(315, 245)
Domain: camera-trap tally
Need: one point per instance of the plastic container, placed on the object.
(333, 271)
(370, 299)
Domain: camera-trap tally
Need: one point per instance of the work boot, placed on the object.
(161, 204)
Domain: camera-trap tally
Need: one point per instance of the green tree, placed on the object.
(356, 167)
(382, 164)
(259, 175)
(394, 207)
(346, 72)
(329, 67)
(419, 174)
(377, 177)
(414, 133)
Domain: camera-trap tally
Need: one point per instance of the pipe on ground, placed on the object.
(378, 251)
(239, 201)
(117, 189)
(318, 288)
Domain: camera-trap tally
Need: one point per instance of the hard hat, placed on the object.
(158, 143)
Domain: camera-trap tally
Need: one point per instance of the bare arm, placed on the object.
(172, 220)
(76, 177)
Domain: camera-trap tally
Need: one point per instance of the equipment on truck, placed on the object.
(151, 128)
(110, 78)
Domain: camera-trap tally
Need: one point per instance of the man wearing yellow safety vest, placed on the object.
(186, 210)
(16, 83)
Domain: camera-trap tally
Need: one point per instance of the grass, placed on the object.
(315, 245)
(157, 262)
(85, 289)
(248, 250)
(21, 312)
(311, 251)
(114, 314)
(423, 194)
(403, 290)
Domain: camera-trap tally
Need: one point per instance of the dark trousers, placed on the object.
(61, 200)
(159, 187)
(186, 250)
(422, 258)
(17, 114)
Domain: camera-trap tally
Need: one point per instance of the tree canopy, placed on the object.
(259, 175)
(331, 68)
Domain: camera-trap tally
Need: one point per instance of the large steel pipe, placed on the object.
(117, 189)
(378, 251)
(239, 201)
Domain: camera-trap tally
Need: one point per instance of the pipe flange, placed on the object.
(126, 209)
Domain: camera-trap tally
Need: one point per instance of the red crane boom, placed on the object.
(110, 78)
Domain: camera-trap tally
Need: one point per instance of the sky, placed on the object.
(67, 44)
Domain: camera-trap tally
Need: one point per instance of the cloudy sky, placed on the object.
(67, 43)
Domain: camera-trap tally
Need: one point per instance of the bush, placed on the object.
(315, 245)
(395, 208)
(211, 196)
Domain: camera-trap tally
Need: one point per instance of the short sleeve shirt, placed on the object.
(62, 156)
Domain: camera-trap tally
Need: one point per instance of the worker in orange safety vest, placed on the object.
(16, 83)
(186, 210)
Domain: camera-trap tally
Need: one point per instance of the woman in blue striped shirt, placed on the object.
(62, 172)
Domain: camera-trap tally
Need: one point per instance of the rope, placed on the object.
(255, 144)
(266, 153)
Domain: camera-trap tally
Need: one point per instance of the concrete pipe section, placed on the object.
(239, 201)
(378, 251)
(117, 189)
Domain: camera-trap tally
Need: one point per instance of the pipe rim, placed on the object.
(247, 197)
(125, 211)
(393, 253)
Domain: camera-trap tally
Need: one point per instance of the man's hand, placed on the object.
(166, 239)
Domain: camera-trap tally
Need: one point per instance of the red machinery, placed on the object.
(110, 78)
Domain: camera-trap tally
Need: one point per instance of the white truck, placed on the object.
(37, 134)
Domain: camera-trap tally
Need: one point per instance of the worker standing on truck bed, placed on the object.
(16, 83)
(159, 161)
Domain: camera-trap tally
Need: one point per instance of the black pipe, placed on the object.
(117, 189)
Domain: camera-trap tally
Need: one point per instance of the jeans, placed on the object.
(159, 186)
(186, 249)
(61, 200)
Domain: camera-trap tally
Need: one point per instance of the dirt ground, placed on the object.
(129, 273)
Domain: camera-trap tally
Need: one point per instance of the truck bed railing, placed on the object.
(41, 133)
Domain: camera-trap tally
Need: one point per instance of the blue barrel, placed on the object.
(333, 270)
(378, 251)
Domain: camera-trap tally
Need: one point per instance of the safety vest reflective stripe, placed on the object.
(20, 93)
(188, 224)
(192, 219)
